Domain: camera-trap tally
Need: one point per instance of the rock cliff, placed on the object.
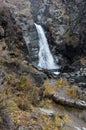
(39, 100)
(63, 21)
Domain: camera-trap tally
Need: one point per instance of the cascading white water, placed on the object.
(46, 60)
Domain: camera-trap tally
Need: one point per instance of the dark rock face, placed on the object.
(63, 21)
(66, 23)
(18, 33)
(17, 26)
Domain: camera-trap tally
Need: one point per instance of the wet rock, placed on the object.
(81, 79)
(67, 69)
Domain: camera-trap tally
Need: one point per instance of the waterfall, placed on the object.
(46, 60)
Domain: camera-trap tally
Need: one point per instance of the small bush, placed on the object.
(72, 92)
(62, 82)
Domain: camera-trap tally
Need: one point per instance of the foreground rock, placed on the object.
(80, 104)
